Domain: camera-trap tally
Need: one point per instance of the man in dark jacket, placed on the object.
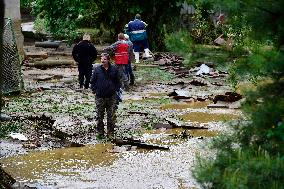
(85, 54)
(105, 82)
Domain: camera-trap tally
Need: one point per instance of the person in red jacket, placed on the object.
(121, 55)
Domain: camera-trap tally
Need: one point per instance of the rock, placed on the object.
(203, 69)
(198, 82)
(163, 125)
(4, 117)
(219, 40)
(18, 136)
(237, 104)
(180, 93)
(228, 97)
(218, 105)
(162, 62)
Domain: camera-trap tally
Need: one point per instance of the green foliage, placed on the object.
(204, 32)
(242, 169)
(64, 17)
(26, 3)
(60, 16)
(40, 25)
(8, 127)
(252, 157)
(152, 74)
(233, 77)
(179, 42)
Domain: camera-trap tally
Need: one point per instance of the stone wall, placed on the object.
(12, 10)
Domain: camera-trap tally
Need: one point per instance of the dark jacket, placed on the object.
(137, 30)
(84, 52)
(105, 83)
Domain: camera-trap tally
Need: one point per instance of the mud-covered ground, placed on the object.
(62, 151)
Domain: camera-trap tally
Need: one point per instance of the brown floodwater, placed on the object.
(193, 105)
(65, 161)
(203, 117)
(96, 167)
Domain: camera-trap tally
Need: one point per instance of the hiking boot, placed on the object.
(132, 78)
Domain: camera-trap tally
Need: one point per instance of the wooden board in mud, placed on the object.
(6, 180)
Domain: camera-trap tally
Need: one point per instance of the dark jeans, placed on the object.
(85, 73)
(129, 70)
(105, 105)
(139, 46)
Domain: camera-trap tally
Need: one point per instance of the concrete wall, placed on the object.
(12, 10)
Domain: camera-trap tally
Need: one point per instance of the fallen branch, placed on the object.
(138, 143)
(136, 112)
(46, 63)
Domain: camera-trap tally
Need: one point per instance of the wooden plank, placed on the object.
(6, 180)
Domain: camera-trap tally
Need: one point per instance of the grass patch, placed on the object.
(152, 74)
(9, 126)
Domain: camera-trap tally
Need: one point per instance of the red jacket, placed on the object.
(121, 49)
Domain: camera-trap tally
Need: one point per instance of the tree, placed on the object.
(253, 156)
(1, 52)
(63, 16)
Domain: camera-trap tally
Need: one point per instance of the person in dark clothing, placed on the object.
(105, 83)
(85, 54)
(130, 58)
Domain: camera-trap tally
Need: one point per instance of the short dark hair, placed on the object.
(105, 55)
(120, 36)
(137, 16)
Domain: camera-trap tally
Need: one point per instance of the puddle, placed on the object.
(35, 166)
(202, 117)
(93, 167)
(195, 105)
(174, 136)
(158, 94)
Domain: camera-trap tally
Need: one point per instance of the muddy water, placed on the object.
(197, 104)
(65, 162)
(175, 136)
(203, 117)
(96, 167)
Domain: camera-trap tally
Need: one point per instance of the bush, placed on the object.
(242, 169)
(180, 43)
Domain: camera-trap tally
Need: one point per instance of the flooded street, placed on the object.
(96, 167)
(56, 116)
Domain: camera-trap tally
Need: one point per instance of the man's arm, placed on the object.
(75, 53)
(93, 80)
(94, 53)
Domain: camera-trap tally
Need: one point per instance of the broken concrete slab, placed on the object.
(227, 97)
(18, 136)
(180, 93)
(177, 124)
